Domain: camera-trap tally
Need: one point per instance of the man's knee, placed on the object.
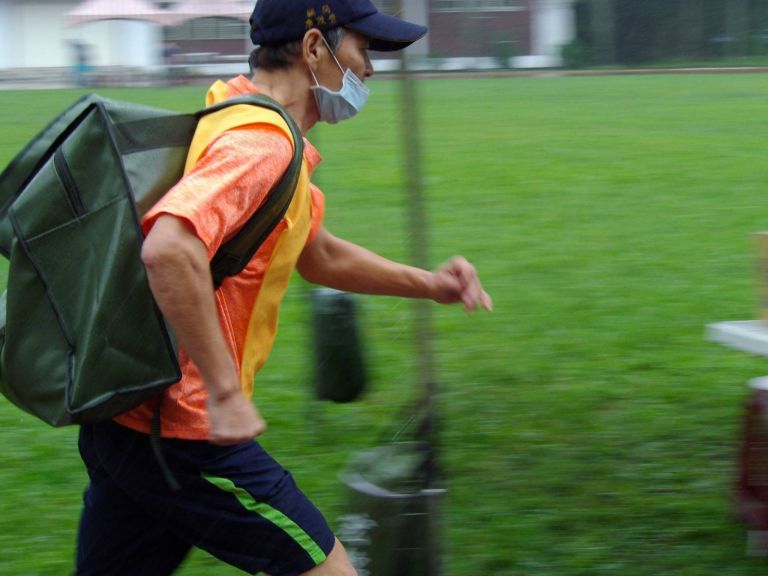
(336, 564)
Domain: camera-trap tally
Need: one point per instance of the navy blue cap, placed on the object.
(280, 21)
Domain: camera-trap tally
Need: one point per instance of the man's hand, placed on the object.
(457, 281)
(234, 419)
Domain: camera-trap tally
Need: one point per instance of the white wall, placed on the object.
(121, 42)
(554, 25)
(41, 38)
(417, 11)
(6, 31)
(35, 33)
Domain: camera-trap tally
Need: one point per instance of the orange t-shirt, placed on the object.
(227, 184)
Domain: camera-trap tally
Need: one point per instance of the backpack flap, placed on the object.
(153, 145)
(78, 279)
(24, 165)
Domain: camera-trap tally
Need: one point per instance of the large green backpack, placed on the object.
(81, 338)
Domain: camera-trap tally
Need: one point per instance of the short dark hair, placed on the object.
(274, 57)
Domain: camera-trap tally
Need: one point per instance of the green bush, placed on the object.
(575, 55)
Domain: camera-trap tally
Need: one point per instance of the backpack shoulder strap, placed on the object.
(235, 254)
(235, 112)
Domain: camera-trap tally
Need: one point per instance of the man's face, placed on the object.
(352, 53)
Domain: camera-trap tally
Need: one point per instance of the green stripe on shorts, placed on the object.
(272, 514)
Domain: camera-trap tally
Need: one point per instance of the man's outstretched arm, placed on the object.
(337, 263)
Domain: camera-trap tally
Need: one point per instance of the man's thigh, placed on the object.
(118, 538)
(235, 502)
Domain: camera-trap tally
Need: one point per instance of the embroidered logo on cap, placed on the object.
(327, 16)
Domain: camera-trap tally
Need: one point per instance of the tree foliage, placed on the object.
(639, 31)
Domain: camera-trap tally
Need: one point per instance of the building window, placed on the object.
(209, 29)
(385, 6)
(477, 5)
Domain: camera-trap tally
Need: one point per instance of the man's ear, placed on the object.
(313, 47)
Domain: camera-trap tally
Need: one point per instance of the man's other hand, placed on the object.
(234, 419)
(457, 281)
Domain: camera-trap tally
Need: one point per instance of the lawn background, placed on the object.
(588, 426)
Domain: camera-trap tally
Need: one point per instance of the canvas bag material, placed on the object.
(81, 338)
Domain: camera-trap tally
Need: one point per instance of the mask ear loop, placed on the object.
(314, 77)
(333, 55)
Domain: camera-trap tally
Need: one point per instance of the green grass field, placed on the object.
(588, 427)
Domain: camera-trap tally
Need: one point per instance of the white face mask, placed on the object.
(336, 106)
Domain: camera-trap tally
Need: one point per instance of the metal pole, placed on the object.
(422, 320)
(417, 223)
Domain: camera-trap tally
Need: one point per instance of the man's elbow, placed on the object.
(314, 259)
(151, 253)
(306, 269)
(170, 246)
(158, 252)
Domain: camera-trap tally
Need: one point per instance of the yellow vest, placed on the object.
(264, 316)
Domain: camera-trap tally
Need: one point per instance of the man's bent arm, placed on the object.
(340, 264)
(180, 279)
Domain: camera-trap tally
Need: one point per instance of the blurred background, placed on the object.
(127, 42)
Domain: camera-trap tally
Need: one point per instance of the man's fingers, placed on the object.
(472, 294)
(459, 282)
(228, 438)
(234, 420)
(487, 301)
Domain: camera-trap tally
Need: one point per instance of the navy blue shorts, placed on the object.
(235, 502)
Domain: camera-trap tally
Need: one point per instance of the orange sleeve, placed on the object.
(228, 183)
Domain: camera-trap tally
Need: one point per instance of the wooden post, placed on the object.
(417, 221)
(422, 320)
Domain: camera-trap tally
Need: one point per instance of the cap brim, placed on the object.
(387, 33)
